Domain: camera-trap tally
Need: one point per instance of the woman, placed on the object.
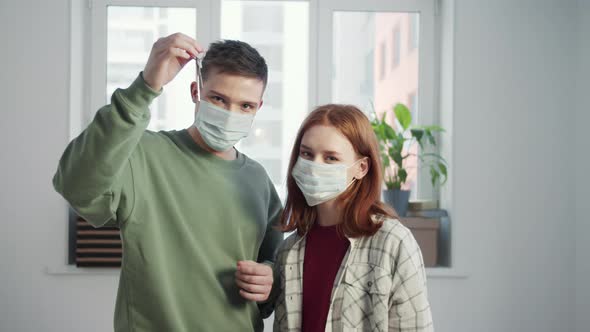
(350, 265)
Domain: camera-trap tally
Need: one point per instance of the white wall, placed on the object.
(512, 165)
(33, 134)
(581, 156)
(514, 83)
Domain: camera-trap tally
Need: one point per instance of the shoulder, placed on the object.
(393, 230)
(156, 141)
(394, 240)
(255, 167)
(257, 173)
(287, 245)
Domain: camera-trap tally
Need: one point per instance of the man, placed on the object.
(196, 216)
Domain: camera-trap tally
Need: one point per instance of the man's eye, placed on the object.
(217, 98)
(247, 107)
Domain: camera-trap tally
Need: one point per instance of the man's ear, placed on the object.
(362, 168)
(194, 93)
(260, 105)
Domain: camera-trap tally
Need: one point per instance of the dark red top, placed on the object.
(324, 251)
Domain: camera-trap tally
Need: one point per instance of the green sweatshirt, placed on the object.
(186, 218)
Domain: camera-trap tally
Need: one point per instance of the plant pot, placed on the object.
(398, 199)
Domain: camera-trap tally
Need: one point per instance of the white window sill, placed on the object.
(431, 272)
(73, 270)
(445, 273)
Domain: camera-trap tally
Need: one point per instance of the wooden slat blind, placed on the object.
(97, 247)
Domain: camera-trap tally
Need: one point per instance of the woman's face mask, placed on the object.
(327, 165)
(320, 183)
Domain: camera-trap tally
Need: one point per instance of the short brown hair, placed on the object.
(235, 57)
(362, 199)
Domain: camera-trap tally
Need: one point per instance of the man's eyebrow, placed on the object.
(226, 97)
(219, 93)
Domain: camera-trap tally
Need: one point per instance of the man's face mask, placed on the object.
(220, 128)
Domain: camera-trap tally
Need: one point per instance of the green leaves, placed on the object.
(434, 175)
(392, 143)
(402, 174)
(389, 131)
(396, 155)
(418, 134)
(402, 113)
(438, 171)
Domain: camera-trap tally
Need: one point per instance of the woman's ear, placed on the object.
(362, 168)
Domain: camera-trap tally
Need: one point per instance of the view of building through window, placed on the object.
(131, 33)
(375, 66)
(279, 31)
(375, 58)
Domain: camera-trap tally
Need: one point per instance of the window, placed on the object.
(413, 28)
(342, 51)
(382, 58)
(396, 44)
(260, 17)
(389, 89)
(413, 102)
(130, 36)
(279, 31)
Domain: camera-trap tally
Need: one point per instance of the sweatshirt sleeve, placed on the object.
(272, 237)
(269, 248)
(95, 174)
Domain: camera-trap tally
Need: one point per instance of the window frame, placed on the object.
(428, 55)
(94, 62)
(98, 30)
(86, 98)
(396, 48)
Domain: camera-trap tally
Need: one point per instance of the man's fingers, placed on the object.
(184, 45)
(253, 297)
(252, 288)
(180, 53)
(189, 41)
(253, 268)
(193, 42)
(254, 279)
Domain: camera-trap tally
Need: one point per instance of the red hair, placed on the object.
(362, 199)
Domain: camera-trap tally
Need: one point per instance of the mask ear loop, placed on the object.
(199, 61)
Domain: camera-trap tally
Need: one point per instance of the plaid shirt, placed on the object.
(380, 286)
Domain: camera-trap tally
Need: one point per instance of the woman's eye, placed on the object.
(330, 158)
(304, 154)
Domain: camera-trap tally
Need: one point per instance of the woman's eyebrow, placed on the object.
(305, 147)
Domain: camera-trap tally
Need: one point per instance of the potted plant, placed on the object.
(396, 147)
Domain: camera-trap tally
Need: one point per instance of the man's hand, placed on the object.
(167, 58)
(254, 280)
